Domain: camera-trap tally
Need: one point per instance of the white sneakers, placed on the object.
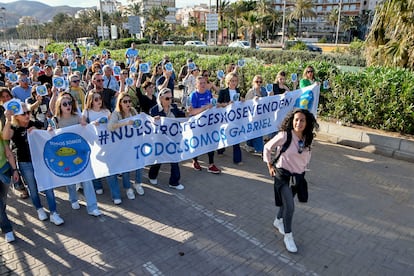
(278, 223)
(290, 243)
(95, 213)
(9, 237)
(75, 205)
(56, 219)
(130, 193)
(117, 201)
(153, 181)
(41, 214)
(177, 187)
(138, 187)
(99, 191)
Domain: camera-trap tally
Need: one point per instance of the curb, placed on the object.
(394, 147)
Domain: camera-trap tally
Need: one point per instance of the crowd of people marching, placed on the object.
(57, 90)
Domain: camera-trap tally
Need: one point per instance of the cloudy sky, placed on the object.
(90, 3)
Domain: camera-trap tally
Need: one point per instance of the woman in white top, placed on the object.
(123, 110)
(66, 114)
(299, 126)
(96, 113)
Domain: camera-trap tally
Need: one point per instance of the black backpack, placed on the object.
(284, 147)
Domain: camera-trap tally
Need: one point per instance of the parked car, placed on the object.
(308, 46)
(196, 43)
(168, 43)
(241, 44)
(313, 48)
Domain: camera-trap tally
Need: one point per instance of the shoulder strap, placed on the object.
(285, 146)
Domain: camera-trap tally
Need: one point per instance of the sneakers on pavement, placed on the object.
(153, 181)
(213, 169)
(95, 213)
(99, 191)
(56, 219)
(9, 237)
(117, 201)
(278, 223)
(139, 188)
(290, 243)
(41, 214)
(196, 166)
(130, 193)
(177, 187)
(75, 205)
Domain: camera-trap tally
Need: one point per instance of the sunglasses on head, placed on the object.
(126, 101)
(301, 145)
(68, 103)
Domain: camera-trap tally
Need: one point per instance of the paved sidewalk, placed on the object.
(359, 221)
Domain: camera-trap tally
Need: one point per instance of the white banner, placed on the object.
(79, 153)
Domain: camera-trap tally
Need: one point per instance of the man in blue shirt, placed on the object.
(200, 102)
(23, 90)
(130, 54)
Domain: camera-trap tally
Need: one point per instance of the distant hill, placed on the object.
(41, 11)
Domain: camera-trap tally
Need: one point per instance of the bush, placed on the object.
(377, 97)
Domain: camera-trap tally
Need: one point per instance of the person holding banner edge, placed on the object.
(165, 108)
(288, 169)
(16, 129)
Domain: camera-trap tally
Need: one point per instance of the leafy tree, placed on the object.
(251, 25)
(390, 39)
(302, 9)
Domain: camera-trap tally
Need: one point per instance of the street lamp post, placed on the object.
(283, 21)
(339, 22)
(101, 15)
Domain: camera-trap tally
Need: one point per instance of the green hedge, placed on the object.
(380, 98)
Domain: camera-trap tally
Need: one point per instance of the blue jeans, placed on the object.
(237, 155)
(138, 176)
(5, 223)
(256, 143)
(113, 183)
(26, 169)
(89, 192)
(174, 174)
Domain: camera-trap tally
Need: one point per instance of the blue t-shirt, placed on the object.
(199, 100)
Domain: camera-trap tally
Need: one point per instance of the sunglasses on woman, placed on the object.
(126, 101)
(65, 104)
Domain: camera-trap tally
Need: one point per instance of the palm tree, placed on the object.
(222, 10)
(134, 9)
(348, 24)
(390, 39)
(302, 9)
(251, 24)
(264, 10)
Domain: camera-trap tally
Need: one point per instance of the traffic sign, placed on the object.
(134, 24)
(212, 22)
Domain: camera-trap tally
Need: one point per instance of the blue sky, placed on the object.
(91, 3)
